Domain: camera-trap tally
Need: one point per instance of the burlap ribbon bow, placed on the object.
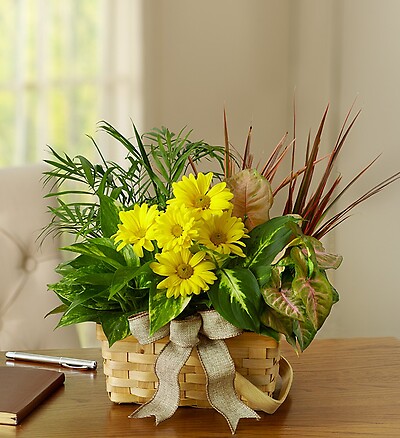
(205, 332)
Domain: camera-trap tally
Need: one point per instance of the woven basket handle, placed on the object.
(261, 401)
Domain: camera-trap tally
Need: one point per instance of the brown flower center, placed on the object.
(184, 271)
(177, 230)
(141, 232)
(202, 201)
(217, 238)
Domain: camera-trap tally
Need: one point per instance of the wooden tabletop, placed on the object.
(342, 388)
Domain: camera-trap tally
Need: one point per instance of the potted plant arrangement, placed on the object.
(190, 261)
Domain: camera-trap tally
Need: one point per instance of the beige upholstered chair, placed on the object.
(26, 267)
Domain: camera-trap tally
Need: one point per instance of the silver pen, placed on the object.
(67, 362)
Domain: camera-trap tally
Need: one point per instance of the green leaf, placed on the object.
(159, 187)
(115, 326)
(87, 168)
(124, 275)
(303, 265)
(87, 281)
(79, 314)
(96, 278)
(266, 242)
(305, 333)
(84, 296)
(59, 309)
(82, 267)
(268, 331)
(162, 310)
(237, 298)
(106, 177)
(102, 249)
(105, 126)
(109, 216)
(158, 163)
(130, 257)
(66, 289)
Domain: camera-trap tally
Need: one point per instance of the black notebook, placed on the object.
(22, 389)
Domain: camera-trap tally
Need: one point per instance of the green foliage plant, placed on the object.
(277, 286)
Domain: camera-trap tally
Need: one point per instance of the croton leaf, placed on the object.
(325, 260)
(283, 299)
(162, 310)
(317, 294)
(279, 323)
(252, 197)
(236, 296)
(305, 333)
(302, 264)
(266, 242)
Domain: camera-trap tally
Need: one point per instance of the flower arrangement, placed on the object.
(160, 236)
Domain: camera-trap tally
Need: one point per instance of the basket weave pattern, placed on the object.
(130, 377)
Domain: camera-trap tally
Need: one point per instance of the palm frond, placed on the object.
(153, 163)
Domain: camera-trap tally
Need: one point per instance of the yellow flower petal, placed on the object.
(185, 273)
(223, 234)
(196, 195)
(137, 228)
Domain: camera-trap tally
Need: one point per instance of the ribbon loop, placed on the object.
(216, 327)
(184, 332)
(140, 328)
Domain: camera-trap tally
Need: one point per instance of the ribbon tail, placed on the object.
(166, 398)
(220, 372)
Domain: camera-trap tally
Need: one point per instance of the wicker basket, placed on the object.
(130, 378)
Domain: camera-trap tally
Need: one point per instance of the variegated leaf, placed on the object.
(304, 332)
(237, 298)
(162, 310)
(271, 318)
(325, 260)
(115, 326)
(266, 241)
(317, 295)
(283, 299)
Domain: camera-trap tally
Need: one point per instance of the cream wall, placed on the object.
(200, 56)
(250, 56)
(370, 66)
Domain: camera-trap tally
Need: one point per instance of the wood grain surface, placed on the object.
(342, 388)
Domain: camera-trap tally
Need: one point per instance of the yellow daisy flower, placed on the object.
(223, 234)
(186, 273)
(137, 228)
(196, 195)
(176, 228)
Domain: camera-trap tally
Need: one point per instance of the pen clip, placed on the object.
(76, 367)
